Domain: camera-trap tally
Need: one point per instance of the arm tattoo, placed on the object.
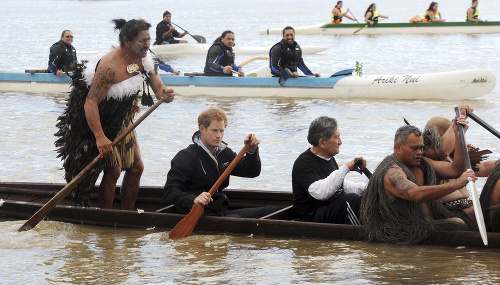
(399, 182)
(101, 83)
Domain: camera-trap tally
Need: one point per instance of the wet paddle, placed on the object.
(475, 197)
(198, 38)
(484, 124)
(50, 205)
(186, 226)
(365, 170)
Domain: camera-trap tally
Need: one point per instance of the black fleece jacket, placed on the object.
(62, 56)
(193, 171)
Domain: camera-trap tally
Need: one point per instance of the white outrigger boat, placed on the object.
(453, 85)
(393, 28)
(202, 49)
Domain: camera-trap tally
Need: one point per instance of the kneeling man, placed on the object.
(320, 192)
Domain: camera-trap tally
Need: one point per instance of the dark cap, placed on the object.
(166, 13)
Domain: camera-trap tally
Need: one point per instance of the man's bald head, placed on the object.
(441, 123)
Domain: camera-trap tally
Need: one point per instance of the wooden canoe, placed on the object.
(393, 28)
(22, 200)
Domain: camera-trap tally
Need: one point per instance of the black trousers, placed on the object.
(336, 212)
(254, 213)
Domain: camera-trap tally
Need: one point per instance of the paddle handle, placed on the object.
(184, 31)
(230, 168)
(475, 197)
(185, 227)
(484, 125)
(49, 206)
(464, 144)
(365, 170)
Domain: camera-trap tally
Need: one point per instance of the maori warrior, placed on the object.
(391, 219)
(491, 212)
(76, 143)
(102, 104)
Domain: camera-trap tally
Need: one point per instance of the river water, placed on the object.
(66, 254)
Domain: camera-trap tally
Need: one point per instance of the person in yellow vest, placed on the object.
(473, 13)
(432, 14)
(338, 13)
(371, 15)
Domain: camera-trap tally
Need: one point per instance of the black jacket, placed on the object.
(162, 28)
(218, 57)
(193, 171)
(283, 55)
(62, 56)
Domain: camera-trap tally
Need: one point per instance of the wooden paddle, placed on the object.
(366, 27)
(199, 39)
(50, 205)
(484, 124)
(186, 226)
(475, 197)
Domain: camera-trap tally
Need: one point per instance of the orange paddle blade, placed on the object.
(186, 226)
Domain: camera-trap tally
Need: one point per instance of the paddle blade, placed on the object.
(478, 212)
(186, 226)
(285, 75)
(199, 39)
(359, 29)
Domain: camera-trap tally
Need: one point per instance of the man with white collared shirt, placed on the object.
(195, 169)
(320, 192)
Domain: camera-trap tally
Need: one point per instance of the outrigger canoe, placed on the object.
(22, 200)
(202, 49)
(393, 28)
(453, 85)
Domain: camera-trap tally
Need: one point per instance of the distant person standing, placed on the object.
(473, 13)
(432, 14)
(371, 15)
(62, 56)
(338, 13)
(288, 54)
(220, 57)
(165, 32)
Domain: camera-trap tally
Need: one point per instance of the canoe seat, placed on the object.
(287, 213)
(167, 209)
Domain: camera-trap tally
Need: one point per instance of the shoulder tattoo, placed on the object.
(103, 79)
(398, 181)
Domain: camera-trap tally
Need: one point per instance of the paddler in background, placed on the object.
(288, 54)
(220, 57)
(371, 15)
(62, 56)
(338, 14)
(165, 32)
(472, 14)
(432, 13)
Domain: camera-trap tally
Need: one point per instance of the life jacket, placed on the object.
(474, 16)
(336, 19)
(427, 19)
(375, 16)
